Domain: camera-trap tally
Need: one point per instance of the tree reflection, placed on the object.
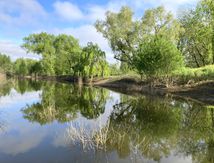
(5, 88)
(62, 102)
(147, 124)
(22, 86)
(157, 127)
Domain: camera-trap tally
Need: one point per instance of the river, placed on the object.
(46, 122)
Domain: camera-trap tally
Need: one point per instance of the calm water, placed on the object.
(42, 122)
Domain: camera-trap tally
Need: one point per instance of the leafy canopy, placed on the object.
(157, 56)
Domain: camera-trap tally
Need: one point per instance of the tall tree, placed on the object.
(208, 6)
(159, 22)
(42, 44)
(196, 42)
(94, 56)
(125, 35)
(121, 32)
(5, 63)
(67, 50)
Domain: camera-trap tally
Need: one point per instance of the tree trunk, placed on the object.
(80, 81)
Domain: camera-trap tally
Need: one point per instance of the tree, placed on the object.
(159, 23)
(196, 42)
(121, 32)
(208, 7)
(5, 63)
(126, 35)
(67, 50)
(42, 44)
(36, 68)
(21, 67)
(156, 57)
(95, 57)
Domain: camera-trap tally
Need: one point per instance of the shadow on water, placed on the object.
(141, 128)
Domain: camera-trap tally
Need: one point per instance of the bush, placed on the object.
(157, 57)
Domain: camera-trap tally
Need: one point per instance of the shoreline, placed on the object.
(202, 91)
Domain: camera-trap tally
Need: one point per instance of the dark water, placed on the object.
(42, 122)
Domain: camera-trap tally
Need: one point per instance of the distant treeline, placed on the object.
(156, 45)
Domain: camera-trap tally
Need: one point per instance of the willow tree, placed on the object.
(94, 58)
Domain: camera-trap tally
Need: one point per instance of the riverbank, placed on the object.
(202, 91)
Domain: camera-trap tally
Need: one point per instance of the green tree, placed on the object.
(196, 42)
(36, 68)
(95, 58)
(157, 57)
(42, 44)
(20, 67)
(5, 63)
(126, 35)
(121, 32)
(208, 7)
(67, 50)
(159, 23)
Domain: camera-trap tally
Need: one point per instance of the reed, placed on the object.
(95, 139)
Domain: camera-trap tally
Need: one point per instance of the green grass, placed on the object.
(194, 74)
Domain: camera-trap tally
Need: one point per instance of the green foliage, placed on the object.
(27, 67)
(125, 35)
(159, 22)
(5, 63)
(62, 55)
(20, 67)
(184, 75)
(151, 45)
(114, 69)
(121, 32)
(157, 57)
(36, 68)
(67, 51)
(91, 62)
(196, 42)
(42, 44)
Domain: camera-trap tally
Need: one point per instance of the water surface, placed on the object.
(40, 123)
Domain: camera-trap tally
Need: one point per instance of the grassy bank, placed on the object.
(195, 83)
(194, 75)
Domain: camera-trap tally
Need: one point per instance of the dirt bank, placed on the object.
(202, 91)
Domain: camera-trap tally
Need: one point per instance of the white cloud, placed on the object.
(21, 12)
(68, 11)
(171, 5)
(14, 50)
(138, 6)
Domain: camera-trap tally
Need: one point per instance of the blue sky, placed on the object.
(19, 18)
